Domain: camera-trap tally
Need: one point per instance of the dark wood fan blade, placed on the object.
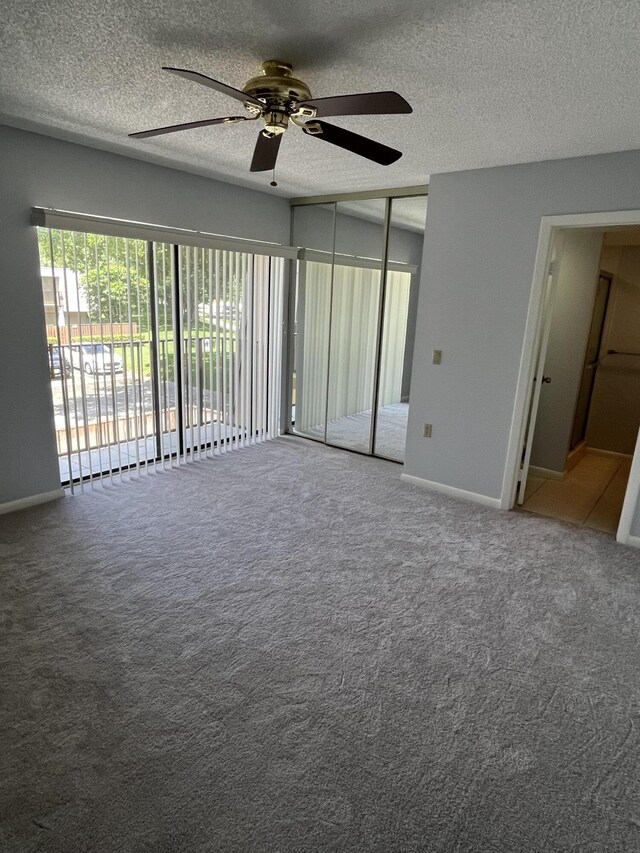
(361, 145)
(214, 84)
(172, 128)
(368, 103)
(265, 153)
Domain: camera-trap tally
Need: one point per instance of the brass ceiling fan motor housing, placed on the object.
(280, 91)
(276, 84)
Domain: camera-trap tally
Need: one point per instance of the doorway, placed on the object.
(583, 412)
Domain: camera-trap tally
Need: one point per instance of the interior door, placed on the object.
(548, 298)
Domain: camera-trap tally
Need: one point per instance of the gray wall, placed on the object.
(40, 171)
(481, 241)
(578, 267)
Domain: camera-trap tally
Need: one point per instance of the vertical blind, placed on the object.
(354, 328)
(160, 354)
(394, 337)
(314, 305)
(337, 328)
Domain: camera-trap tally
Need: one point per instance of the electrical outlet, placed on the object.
(427, 430)
(437, 356)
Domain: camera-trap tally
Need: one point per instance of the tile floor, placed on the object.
(591, 494)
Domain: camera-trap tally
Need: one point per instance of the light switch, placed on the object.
(437, 356)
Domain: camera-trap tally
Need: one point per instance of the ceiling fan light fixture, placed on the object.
(304, 112)
(275, 122)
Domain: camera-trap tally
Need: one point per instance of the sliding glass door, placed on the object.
(159, 354)
(353, 324)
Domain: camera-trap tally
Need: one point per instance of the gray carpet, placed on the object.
(353, 431)
(289, 649)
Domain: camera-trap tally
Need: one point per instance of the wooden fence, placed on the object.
(86, 331)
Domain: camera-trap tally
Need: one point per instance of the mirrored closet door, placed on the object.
(354, 321)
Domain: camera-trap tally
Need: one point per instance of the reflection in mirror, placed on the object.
(406, 233)
(313, 229)
(359, 247)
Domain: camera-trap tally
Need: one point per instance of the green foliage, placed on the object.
(82, 252)
(114, 296)
(101, 262)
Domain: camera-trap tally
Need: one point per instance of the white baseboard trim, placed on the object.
(595, 451)
(575, 456)
(634, 541)
(451, 491)
(547, 473)
(34, 500)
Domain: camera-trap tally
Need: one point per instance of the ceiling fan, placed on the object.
(278, 99)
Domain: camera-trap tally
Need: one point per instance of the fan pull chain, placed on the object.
(274, 183)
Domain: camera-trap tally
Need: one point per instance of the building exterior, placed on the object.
(64, 302)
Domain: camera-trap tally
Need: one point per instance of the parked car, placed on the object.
(95, 358)
(58, 361)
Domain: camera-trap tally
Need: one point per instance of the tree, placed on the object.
(112, 272)
(101, 263)
(115, 296)
(81, 252)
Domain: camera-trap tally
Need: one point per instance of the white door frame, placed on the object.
(630, 501)
(524, 388)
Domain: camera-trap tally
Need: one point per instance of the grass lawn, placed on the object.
(166, 348)
(136, 354)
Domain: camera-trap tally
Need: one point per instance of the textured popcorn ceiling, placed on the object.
(490, 82)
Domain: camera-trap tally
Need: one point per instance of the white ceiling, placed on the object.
(491, 81)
